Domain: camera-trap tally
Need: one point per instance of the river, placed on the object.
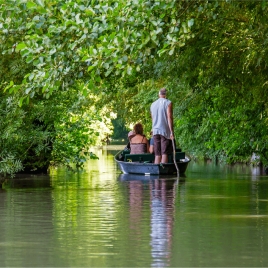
(214, 216)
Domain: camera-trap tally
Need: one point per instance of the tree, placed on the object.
(210, 54)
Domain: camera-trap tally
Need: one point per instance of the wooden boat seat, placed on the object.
(149, 158)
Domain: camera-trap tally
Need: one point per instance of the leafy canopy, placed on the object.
(60, 58)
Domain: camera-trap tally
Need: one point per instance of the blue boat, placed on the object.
(143, 163)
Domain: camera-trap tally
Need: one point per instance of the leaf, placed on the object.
(85, 93)
(11, 83)
(108, 72)
(36, 62)
(125, 58)
(90, 68)
(21, 101)
(24, 52)
(31, 5)
(129, 70)
(190, 22)
(29, 59)
(28, 90)
(40, 2)
(52, 51)
(171, 52)
(20, 46)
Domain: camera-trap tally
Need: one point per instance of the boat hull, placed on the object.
(151, 168)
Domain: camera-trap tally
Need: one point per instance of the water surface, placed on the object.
(214, 216)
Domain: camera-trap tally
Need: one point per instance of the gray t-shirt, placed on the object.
(159, 115)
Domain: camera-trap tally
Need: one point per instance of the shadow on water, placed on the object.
(27, 181)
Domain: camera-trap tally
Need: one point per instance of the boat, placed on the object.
(143, 163)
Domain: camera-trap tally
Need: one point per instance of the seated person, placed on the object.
(139, 143)
(130, 135)
(151, 143)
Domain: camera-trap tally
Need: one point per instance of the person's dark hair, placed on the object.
(138, 128)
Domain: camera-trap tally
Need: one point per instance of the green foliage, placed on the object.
(120, 130)
(73, 135)
(69, 63)
(10, 165)
(223, 112)
(47, 132)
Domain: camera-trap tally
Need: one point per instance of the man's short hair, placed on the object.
(162, 91)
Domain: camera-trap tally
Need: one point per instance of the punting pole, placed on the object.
(174, 157)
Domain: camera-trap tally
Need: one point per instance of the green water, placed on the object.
(215, 216)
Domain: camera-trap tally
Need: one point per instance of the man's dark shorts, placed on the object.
(162, 145)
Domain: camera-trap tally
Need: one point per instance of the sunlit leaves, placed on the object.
(115, 33)
(20, 46)
(190, 22)
(124, 50)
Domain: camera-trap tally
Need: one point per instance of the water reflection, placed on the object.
(162, 206)
(217, 216)
(137, 177)
(257, 171)
(162, 193)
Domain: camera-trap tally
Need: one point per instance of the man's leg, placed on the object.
(164, 158)
(157, 159)
(165, 148)
(157, 149)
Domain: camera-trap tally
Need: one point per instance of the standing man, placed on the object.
(162, 116)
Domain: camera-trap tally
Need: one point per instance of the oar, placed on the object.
(174, 158)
